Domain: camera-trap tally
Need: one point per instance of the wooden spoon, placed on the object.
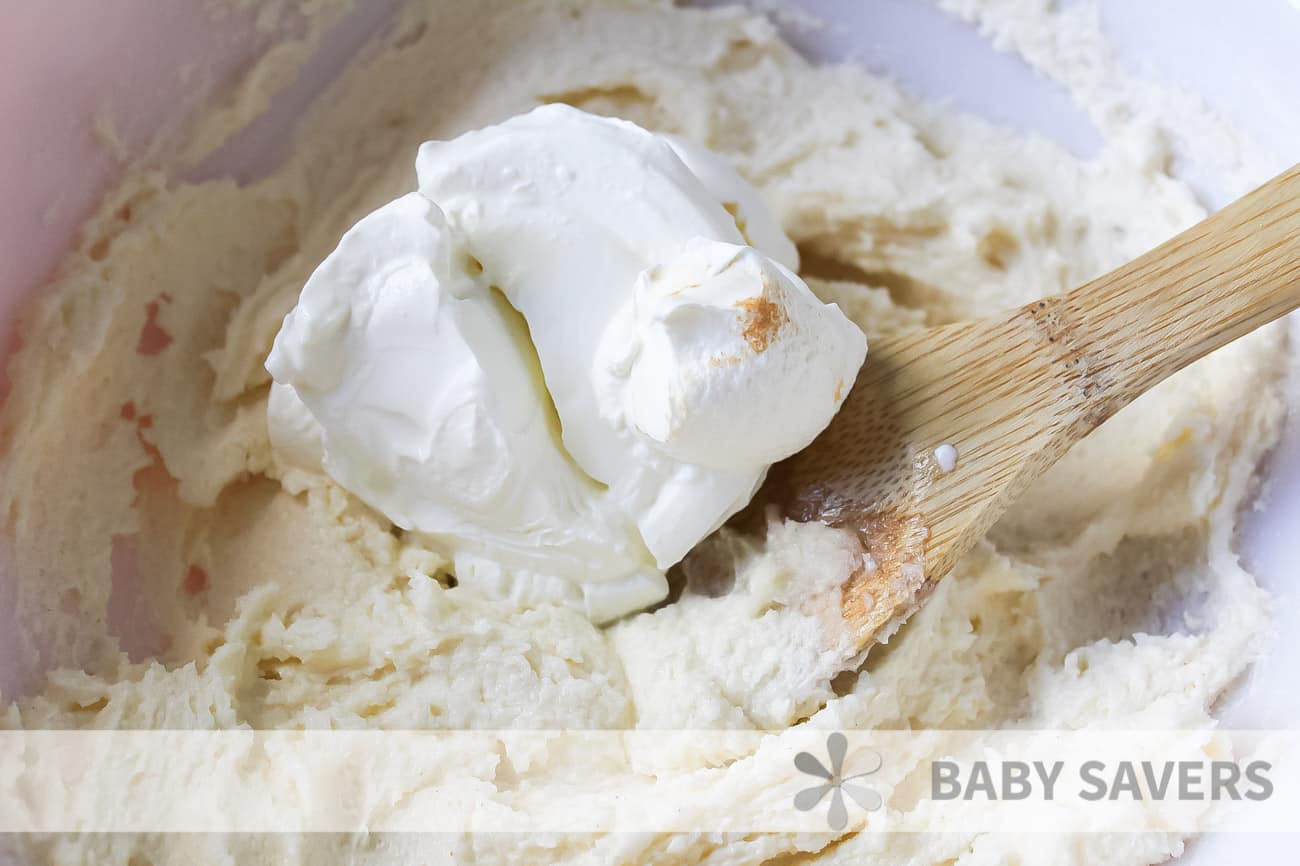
(1010, 396)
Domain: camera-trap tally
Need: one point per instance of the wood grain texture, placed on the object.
(1013, 395)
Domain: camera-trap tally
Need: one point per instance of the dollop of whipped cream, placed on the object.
(560, 359)
(710, 338)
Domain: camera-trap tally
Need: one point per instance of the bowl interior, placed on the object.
(1238, 57)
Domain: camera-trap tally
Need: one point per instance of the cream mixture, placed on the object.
(561, 359)
(172, 572)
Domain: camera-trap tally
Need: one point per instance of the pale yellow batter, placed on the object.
(171, 574)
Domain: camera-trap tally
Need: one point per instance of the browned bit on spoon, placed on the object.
(1009, 397)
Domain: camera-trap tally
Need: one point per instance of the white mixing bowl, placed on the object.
(61, 65)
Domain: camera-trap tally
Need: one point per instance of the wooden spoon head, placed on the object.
(868, 472)
(1012, 395)
(1003, 394)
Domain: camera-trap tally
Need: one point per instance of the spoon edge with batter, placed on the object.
(1008, 397)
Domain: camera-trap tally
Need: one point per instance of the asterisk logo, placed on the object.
(835, 784)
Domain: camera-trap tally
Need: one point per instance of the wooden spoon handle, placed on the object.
(1217, 281)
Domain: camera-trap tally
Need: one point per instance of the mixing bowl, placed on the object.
(87, 86)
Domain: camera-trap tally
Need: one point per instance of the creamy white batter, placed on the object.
(172, 575)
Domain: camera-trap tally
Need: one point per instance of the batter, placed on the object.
(172, 572)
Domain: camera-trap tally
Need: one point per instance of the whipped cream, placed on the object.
(754, 221)
(560, 359)
(296, 435)
(709, 338)
(428, 405)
